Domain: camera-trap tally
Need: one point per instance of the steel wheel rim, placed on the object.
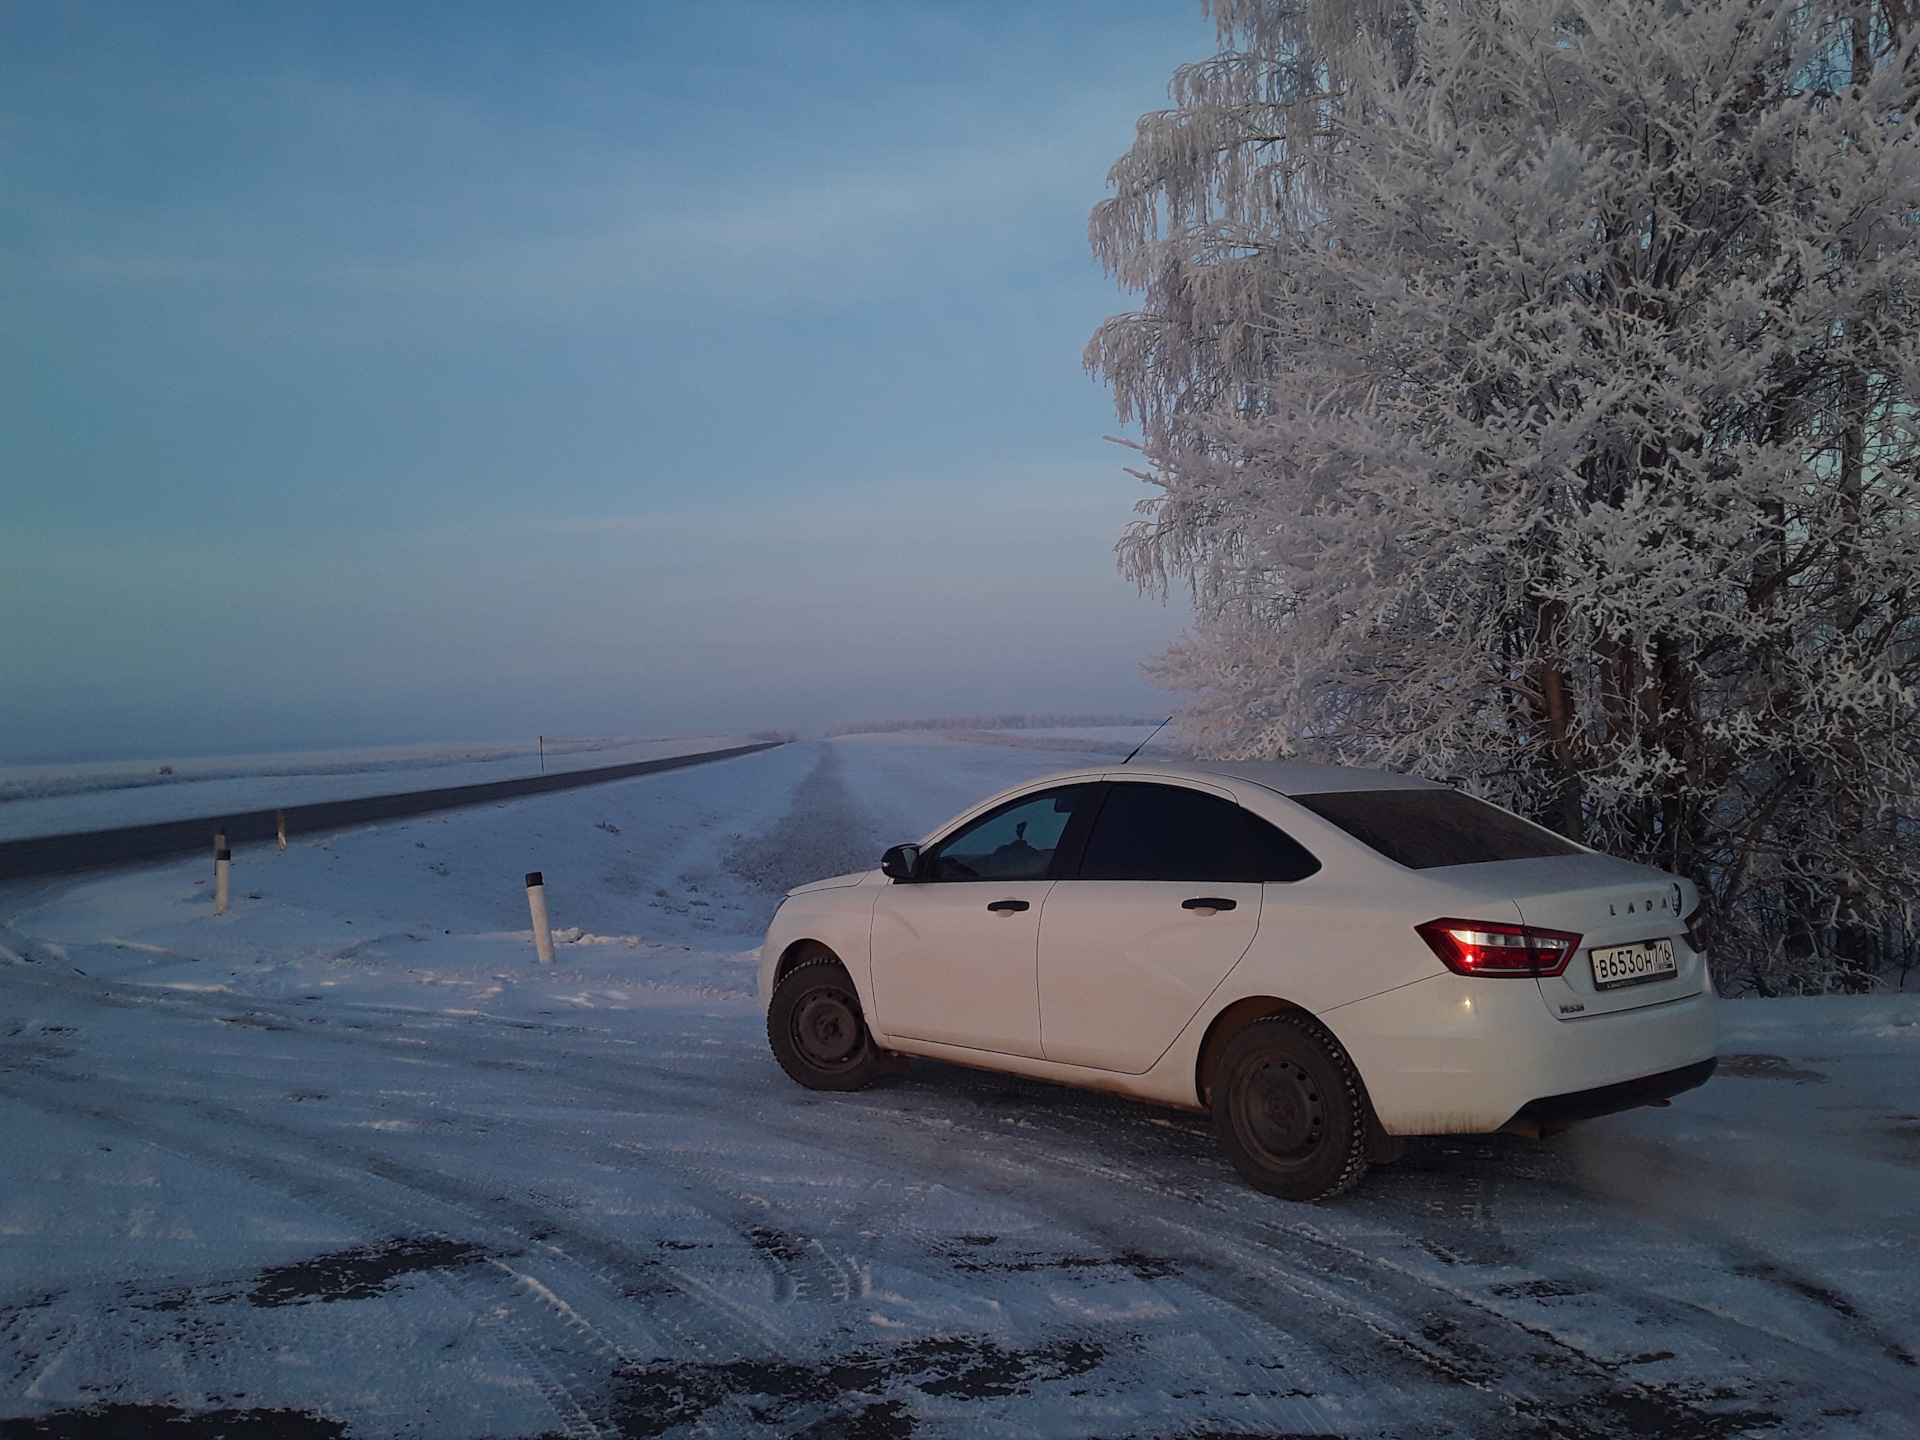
(827, 1029)
(1282, 1111)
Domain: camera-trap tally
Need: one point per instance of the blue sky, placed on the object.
(400, 371)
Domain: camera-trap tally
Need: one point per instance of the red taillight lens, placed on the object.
(1480, 947)
(1697, 930)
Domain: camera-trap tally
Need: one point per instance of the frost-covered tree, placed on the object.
(1529, 391)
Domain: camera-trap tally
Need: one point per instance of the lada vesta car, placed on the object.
(1327, 959)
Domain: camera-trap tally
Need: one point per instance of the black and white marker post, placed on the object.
(537, 903)
(222, 868)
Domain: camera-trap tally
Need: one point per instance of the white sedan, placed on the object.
(1325, 958)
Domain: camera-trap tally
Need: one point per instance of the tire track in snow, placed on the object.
(177, 1123)
(1440, 1329)
(711, 1185)
(1467, 1342)
(1319, 1290)
(518, 1318)
(1457, 1361)
(572, 1288)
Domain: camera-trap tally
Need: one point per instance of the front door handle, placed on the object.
(1008, 907)
(1208, 903)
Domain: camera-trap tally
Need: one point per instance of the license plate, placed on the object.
(1637, 964)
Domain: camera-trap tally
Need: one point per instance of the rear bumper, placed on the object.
(1454, 1055)
(1610, 1099)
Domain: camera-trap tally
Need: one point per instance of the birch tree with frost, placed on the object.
(1528, 388)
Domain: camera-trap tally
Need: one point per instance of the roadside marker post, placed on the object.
(537, 904)
(280, 821)
(222, 869)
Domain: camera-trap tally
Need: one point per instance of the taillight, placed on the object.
(1697, 930)
(1479, 947)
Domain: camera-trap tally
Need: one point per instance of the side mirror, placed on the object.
(901, 862)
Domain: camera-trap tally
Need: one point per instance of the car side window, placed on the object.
(1166, 832)
(1016, 841)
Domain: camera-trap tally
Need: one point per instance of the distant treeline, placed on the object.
(1030, 721)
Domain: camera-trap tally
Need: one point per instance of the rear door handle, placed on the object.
(1207, 902)
(1008, 907)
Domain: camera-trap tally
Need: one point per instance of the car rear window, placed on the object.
(1426, 829)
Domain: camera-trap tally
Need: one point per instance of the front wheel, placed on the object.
(1289, 1109)
(817, 1031)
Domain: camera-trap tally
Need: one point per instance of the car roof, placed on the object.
(1289, 777)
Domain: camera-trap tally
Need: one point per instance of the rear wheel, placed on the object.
(1289, 1109)
(816, 1028)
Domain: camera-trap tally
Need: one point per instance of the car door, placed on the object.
(955, 952)
(1165, 901)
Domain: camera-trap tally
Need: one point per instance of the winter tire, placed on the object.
(816, 1028)
(1289, 1109)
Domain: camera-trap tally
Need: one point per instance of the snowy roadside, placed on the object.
(347, 1154)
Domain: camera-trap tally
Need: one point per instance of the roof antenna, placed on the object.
(1143, 744)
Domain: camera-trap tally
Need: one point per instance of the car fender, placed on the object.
(839, 917)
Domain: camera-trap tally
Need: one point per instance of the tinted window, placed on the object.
(1161, 832)
(1014, 842)
(1425, 829)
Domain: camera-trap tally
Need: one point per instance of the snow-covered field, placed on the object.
(346, 1161)
(55, 799)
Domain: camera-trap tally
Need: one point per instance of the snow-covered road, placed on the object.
(345, 1161)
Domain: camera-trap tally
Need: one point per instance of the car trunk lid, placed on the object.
(1631, 927)
(1610, 904)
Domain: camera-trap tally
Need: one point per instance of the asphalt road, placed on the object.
(132, 844)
